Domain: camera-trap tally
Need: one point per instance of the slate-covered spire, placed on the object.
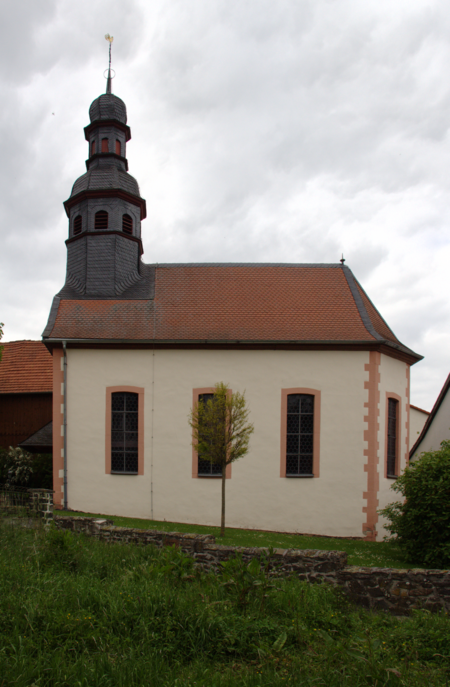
(105, 208)
(108, 82)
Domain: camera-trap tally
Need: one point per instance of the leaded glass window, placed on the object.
(392, 438)
(205, 467)
(299, 434)
(124, 432)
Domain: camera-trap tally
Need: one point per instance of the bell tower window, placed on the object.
(77, 225)
(118, 151)
(101, 220)
(104, 145)
(127, 224)
(92, 147)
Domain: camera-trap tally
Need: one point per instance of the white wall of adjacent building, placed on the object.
(418, 418)
(438, 431)
(257, 497)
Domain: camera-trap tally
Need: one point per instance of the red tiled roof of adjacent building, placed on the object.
(25, 367)
(232, 302)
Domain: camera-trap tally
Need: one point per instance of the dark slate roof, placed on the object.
(40, 440)
(106, 178)
(232, 303)
(431, 416)
(142, 289)
(108, 106)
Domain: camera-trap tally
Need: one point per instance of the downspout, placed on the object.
(65, 424)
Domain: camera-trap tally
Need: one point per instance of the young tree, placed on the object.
(221, 431)
(421, 522)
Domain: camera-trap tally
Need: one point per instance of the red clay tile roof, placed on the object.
(226, 302)
(25, 367)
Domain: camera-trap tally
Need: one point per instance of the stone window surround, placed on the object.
(395, 397)
(316, 432)
(108, 417)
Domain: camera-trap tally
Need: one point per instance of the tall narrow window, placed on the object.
(101, 220)
(127, 224)
(124, 432)
(392, 425)
(299, 434)
(77, 225)
(105, 145)
(118, 150)
(205, 467)
(92, 147)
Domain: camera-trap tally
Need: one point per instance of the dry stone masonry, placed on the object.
(396, 591)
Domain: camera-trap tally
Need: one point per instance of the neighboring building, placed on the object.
(326, 379)
(26, 387)
(437, 427)
(417, 419)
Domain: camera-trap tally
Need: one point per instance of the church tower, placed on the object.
(105, 210)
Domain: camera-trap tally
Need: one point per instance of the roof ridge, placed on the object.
(21, 341)
(244, 264)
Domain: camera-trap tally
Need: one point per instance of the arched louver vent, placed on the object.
(92, 147)
(118, 151)
(127, 224)
(77, 225)
(104, 145)
(101, 220)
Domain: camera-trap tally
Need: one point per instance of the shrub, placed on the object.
(22, 469)
(421, 523)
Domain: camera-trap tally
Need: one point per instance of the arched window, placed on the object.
(124, 432)
(101, 220)
(105, 145)
(118, 147)
(299, 434)
(77, 225)
(127, 224)
(92, 147)
(392, 438)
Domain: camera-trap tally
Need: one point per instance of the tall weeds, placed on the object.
(74, 611)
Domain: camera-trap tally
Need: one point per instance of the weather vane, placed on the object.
(109, 77)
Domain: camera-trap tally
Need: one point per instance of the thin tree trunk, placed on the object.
(222, 518)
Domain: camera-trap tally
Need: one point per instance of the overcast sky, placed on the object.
(285, 131)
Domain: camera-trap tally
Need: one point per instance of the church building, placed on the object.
(135, 345)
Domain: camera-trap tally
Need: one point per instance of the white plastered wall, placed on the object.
(417, 419)
(438, 431)
(256, 496)
(392, 380)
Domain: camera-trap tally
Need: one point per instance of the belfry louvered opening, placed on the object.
(205, 467)
(127, 224)
(300, 435)
(392, 438)
(124, 432)
(77, 225)
(101, 220)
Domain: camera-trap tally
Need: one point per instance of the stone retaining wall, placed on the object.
(207, 553)
(396, 591)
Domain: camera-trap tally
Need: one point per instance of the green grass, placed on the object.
(76, 612)
(373, 554)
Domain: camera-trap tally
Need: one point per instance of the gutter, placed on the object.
(64, 343)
